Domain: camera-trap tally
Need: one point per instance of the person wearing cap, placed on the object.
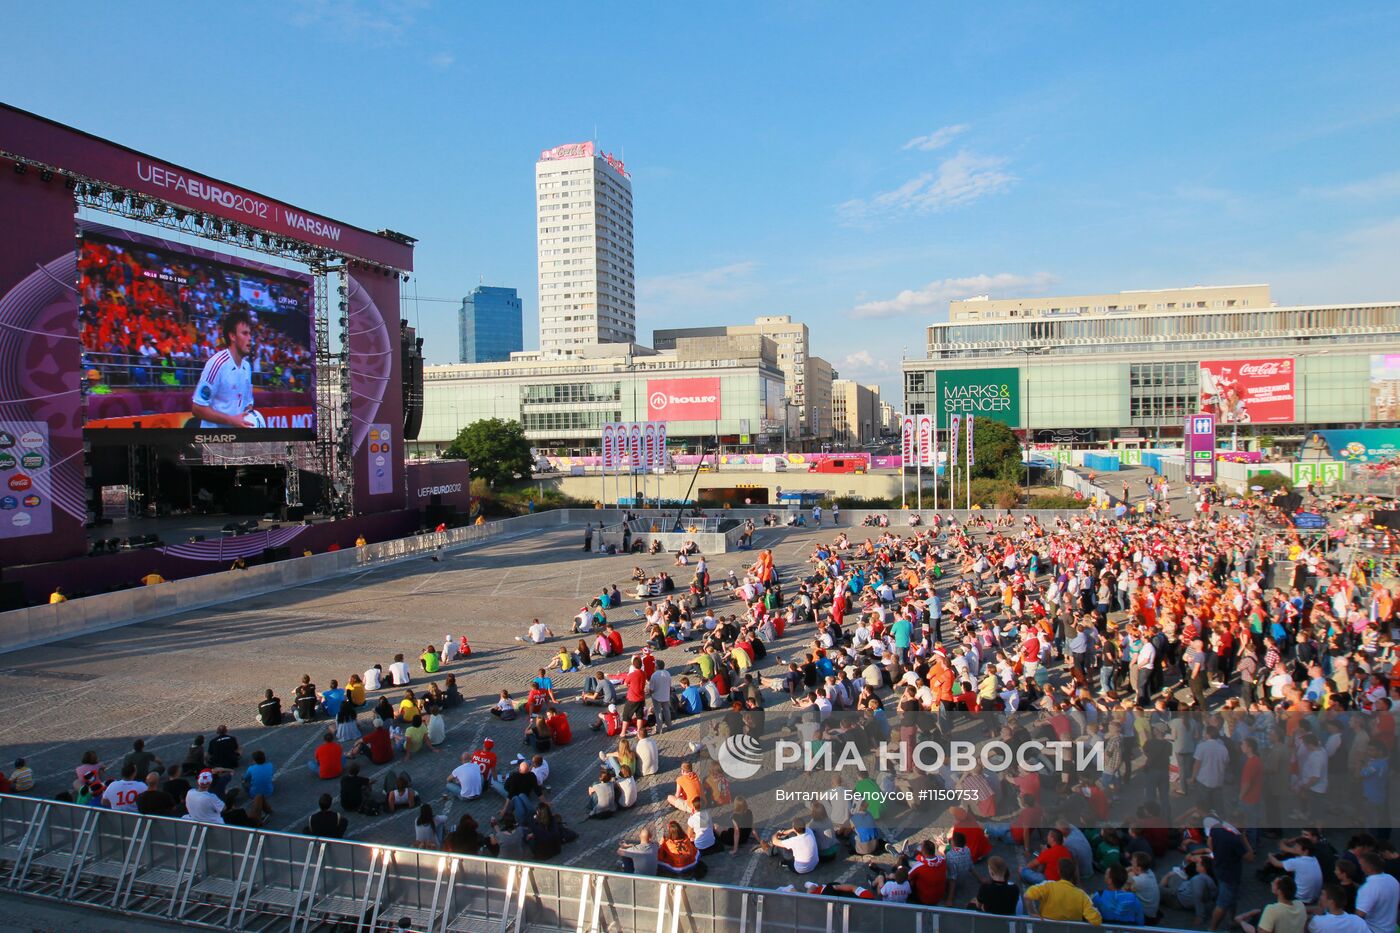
(202, 804)
(609, 721)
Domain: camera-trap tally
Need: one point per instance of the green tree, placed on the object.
(996, 451)
(497, 449)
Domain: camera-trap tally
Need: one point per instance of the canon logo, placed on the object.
(1260, 369)
(442, 490)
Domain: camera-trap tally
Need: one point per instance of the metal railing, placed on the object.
(231, 878)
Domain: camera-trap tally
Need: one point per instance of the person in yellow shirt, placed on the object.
(57, 596)
(1063, 899)
(152, 578)
(360, 541)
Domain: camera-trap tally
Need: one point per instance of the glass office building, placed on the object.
(490, 325)
(1100, 377)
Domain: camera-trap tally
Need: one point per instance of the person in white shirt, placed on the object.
(399, 671)
(537, 633)
(648, 758)
(1304, 867)
(466, 780)
(121, 795)
(701, 827)
(1333, 918)
(796, 848)
(626, 788)
(374, 678)
(1379, 896)
(202, 804)
(659, 686)
(449, 649)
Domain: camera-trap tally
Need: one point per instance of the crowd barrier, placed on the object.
(230, 878)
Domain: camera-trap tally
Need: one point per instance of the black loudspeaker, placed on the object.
(1386, 518)
(1289, 501)
(273, 554)
(411, 355)
(293, 513)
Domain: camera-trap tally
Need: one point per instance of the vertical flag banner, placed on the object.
(634, 443)
(924, 439)
(970, 461)
(649, 444)
(906, 437)
(953, 422)
(661, 445)
(609, 445)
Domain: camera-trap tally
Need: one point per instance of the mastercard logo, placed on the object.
(31, 501)
(19, 482)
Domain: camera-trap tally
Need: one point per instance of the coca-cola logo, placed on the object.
(1271, 368)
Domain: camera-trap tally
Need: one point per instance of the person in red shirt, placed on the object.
(329, 760)
(485, 759)
(636, 683)
(378, 745)
(977, 842)
(559, 729)
(1252, 783)
(614, 638)
(928, 878)
(1046, 865)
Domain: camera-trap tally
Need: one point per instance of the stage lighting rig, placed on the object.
(45, 176)
(21, 168)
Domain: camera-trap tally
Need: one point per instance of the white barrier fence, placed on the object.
(230, 878)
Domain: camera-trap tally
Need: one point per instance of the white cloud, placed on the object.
(372, 22)
(1385, 185)
(1358, 265)
(441, 61)
(935, 295)
(959, 179)
(703, 291)
(938, 138)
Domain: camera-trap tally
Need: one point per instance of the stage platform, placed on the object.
(180, 529)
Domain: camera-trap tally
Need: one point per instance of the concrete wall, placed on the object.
(675, 485)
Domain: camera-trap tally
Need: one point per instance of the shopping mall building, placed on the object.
(1130, 367)
(725, 390)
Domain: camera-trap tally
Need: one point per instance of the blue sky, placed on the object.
(854, 165)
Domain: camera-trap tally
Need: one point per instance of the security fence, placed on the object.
(230, 878)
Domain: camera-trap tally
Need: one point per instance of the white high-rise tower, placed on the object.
(583, 209)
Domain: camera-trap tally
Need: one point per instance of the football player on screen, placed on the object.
(223, 397)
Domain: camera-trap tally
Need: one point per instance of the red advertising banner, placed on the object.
(683, 399)
(1248, 391)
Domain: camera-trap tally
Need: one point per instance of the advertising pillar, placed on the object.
(376, 392)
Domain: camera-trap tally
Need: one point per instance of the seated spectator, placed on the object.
(398, 673)
(626, 786)
(538, 633)
(641, 857)
(356, 792)
(325, 822)
(154, 801)
(403, 796)
(223, 750)
(505, 709)
(795, 847)
(598, 691)
(256, 812)
(602, 796)
(428, 828)
(377, 745)
(466, 781)
(305, 704)
(1285, 915)
(270, 709)
(328, 760)
(677, 853)
(999, 894)
(430, 660)
(144, 761)
(258, 777)
(1116, 903)
(89, 769)
(1063, 899)
(332, 699)
(465, 839)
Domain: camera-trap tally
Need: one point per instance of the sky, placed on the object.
(854, 165)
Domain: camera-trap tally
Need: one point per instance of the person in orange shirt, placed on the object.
(688, 788)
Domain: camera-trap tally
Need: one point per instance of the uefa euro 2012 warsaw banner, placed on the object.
(982, 393)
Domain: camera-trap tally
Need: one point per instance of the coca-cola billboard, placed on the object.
(683, 399)
(1248, 391)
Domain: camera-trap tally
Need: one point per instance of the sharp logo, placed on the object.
(215, 438)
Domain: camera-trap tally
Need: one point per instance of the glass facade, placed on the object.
(490, 325)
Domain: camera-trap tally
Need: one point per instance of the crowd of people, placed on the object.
(1100, 626)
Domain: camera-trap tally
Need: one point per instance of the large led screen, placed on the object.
(183, 345)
